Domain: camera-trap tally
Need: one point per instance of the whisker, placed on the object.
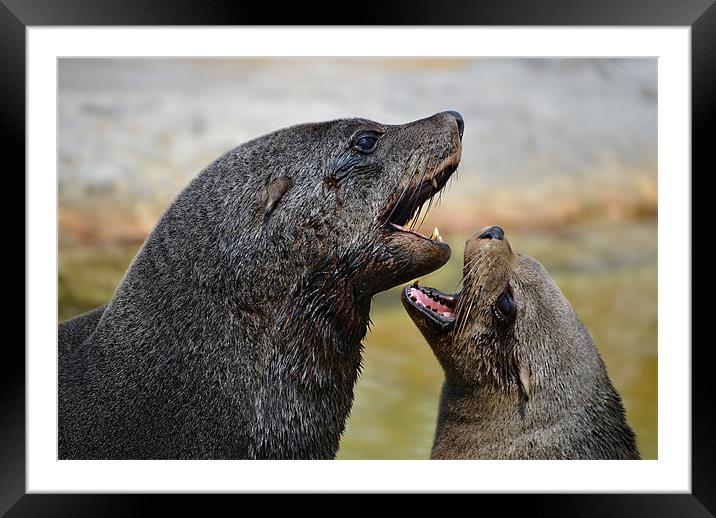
(463, 323)
(417, 191)
(405, 189)
(461, 314)
(430, 204)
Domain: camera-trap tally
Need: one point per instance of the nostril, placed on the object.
(493, 232)
(460, 121)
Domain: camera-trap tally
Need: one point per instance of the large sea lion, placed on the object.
(523, 379)
(236, 331)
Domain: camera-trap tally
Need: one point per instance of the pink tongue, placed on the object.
(426, 301)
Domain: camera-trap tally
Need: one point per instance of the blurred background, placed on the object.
(560, 152)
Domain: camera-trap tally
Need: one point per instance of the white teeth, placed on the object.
(436, 235)
(434, 182)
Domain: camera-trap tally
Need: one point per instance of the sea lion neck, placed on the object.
(329, 303)
(309, 372)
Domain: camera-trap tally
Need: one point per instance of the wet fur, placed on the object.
(236, 331)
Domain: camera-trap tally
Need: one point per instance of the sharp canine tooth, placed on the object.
(434, 182)
(436, 235)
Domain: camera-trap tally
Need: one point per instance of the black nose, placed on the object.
(460, 121)
(494, 232)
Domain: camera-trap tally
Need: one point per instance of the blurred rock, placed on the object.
(557, 129)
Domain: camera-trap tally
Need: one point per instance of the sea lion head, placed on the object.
(509, 327)
(341, 196)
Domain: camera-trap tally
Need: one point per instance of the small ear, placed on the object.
(274, 192)
(526, 381)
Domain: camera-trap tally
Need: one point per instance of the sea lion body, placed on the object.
(236, 331)
(523, 378)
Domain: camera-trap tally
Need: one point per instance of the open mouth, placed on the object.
(438, 306)
(404, 214)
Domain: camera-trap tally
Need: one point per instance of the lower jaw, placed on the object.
(439, 314)
(400, 257)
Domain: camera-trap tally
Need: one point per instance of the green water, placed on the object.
(607, 271)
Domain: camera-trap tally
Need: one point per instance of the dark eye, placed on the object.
(505, 309)
(366, 143)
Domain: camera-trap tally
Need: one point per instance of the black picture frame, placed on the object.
(17, 15)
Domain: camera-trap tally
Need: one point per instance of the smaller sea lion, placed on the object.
(523, 379)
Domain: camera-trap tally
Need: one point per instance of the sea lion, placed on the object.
(523, 379)
(236, 331)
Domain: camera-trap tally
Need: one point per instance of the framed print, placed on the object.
(244, 226)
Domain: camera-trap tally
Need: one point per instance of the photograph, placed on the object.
(437, 250)
(357, 258)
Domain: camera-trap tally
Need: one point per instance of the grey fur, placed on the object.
(236, 331)
(533, 389)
